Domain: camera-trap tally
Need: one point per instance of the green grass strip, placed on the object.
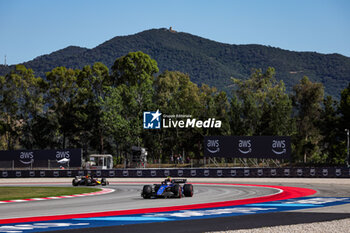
(15, 193)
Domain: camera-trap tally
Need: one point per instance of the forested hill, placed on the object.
(204, 60)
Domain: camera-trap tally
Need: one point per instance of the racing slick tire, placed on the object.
(188, 190)
(104, 182)
(88, 182)
(177, 190)
(147, 191)
(75, 182)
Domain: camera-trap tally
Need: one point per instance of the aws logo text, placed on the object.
(213, 146)
(245, 146)
(62, 154)
(26, 157)
(279, 147)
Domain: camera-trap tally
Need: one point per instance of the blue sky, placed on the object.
(30, 28)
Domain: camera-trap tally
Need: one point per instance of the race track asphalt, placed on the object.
(127, 196)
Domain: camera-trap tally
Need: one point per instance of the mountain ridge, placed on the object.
(205, 60)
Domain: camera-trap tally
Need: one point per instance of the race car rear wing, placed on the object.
(80, 177)
(180, 181)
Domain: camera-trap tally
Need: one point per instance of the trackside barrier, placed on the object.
(41, 159)
(319, 172)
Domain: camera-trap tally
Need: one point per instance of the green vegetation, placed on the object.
(15, 193)
(100, 110)
(205, 61)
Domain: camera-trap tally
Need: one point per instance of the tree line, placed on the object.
(101, 111)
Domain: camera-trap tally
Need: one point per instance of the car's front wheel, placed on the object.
(177, 190)
(88, 182)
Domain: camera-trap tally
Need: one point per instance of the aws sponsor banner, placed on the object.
(218, 146)
(42, 158)
(272, 147)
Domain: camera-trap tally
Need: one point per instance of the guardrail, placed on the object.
(319, 172)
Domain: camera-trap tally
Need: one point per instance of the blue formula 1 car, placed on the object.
(168, 188)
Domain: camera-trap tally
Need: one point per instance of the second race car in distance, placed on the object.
(168, 188)
(88, 181)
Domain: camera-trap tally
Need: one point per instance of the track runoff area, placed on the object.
(246, 204)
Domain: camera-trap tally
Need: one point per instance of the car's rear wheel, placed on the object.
(147, 191)
(188, 190)
(104, 182)
(75, 182)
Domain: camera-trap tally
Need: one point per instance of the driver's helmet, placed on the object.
(168, 179)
